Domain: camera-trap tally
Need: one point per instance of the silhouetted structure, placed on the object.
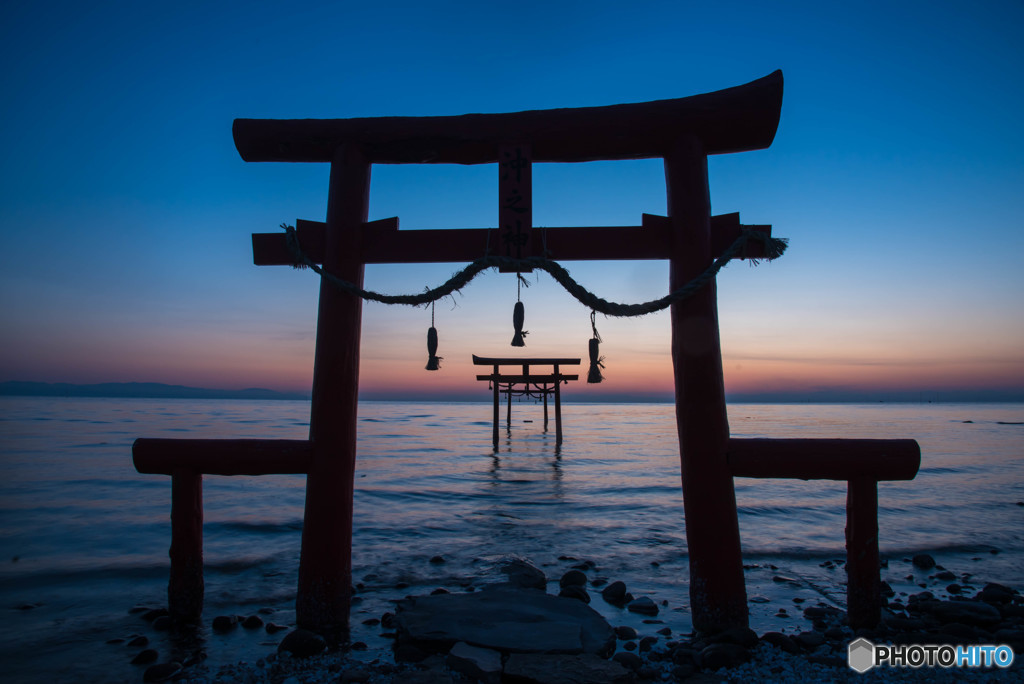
(527, 384)
(683, 132)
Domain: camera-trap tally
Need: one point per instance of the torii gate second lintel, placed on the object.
(683, 132)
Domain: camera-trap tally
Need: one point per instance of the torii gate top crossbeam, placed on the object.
(736, 119)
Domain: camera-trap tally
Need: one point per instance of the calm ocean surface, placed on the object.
(83, 537)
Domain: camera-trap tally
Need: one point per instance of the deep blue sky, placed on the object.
(896, 173)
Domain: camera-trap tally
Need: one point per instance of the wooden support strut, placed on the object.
(324, 595)
(718, 596)
(862, 463)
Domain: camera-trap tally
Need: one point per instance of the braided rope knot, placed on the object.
(773, 249)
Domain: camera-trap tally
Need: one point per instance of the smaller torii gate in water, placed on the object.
(683, 132)
(527, 384)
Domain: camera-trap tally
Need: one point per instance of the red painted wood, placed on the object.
(863, 590)
(558, 410)
(652, 240)
(718, 596)
(185, 588)
(494, 434)
(825, 459)
(732, 120)
(512, 361)
(325, 565)
(222, 456)
(520, 379)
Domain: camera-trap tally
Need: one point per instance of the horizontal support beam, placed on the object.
(825, 459)
(512, 361)
(222, 456)
(382, 243)
(737, 119)
(523, 379)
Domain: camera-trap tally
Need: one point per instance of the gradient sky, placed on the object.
(897, 174)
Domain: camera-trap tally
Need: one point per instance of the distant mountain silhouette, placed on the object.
(154, 390)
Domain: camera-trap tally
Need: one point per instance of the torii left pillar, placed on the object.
(325, 565)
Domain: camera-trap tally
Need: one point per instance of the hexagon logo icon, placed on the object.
(860, 655)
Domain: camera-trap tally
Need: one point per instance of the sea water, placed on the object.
(84, 537)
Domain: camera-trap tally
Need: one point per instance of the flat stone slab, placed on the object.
(506, 619)
(565, 669)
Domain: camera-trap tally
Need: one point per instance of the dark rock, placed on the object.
(576, 592)
(302, 643)
(615, 593)
(961, 630)
(371, 622)
(439, 590)
(409, 653)
(116, 640)
(628, 660)
(968, 612)
(809, 640)
(145, 657)
(741, 636)
(629, 645)
(945, 576)
(665, 631)
(358, 646)
(684, 672)
(781, 641)
(954, 588)
(647, 643)
(387, 620)
(717, 656)
(565, 669)
(996, 593)
(355, 676)
(573, 578)
(273, 628)
(161, 672)
(163, 623)
(649, 672)
(437, 560)
(643, 605)
(224, 623)
(505, 619)
(885, 589)
(154, 613)
(139, 641)
(252, 622)
(835, 634)
(828, 661)
(625, 632)
(523, 575)
(481, 664)
(923, 561)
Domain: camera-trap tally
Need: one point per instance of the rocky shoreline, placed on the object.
(516, 631)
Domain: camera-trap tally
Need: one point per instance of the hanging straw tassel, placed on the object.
(518, 316)
(596, 360)
(434, 361)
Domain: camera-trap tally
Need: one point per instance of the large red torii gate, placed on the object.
(683, 132)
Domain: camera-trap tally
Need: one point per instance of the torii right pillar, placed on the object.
(718, 595)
